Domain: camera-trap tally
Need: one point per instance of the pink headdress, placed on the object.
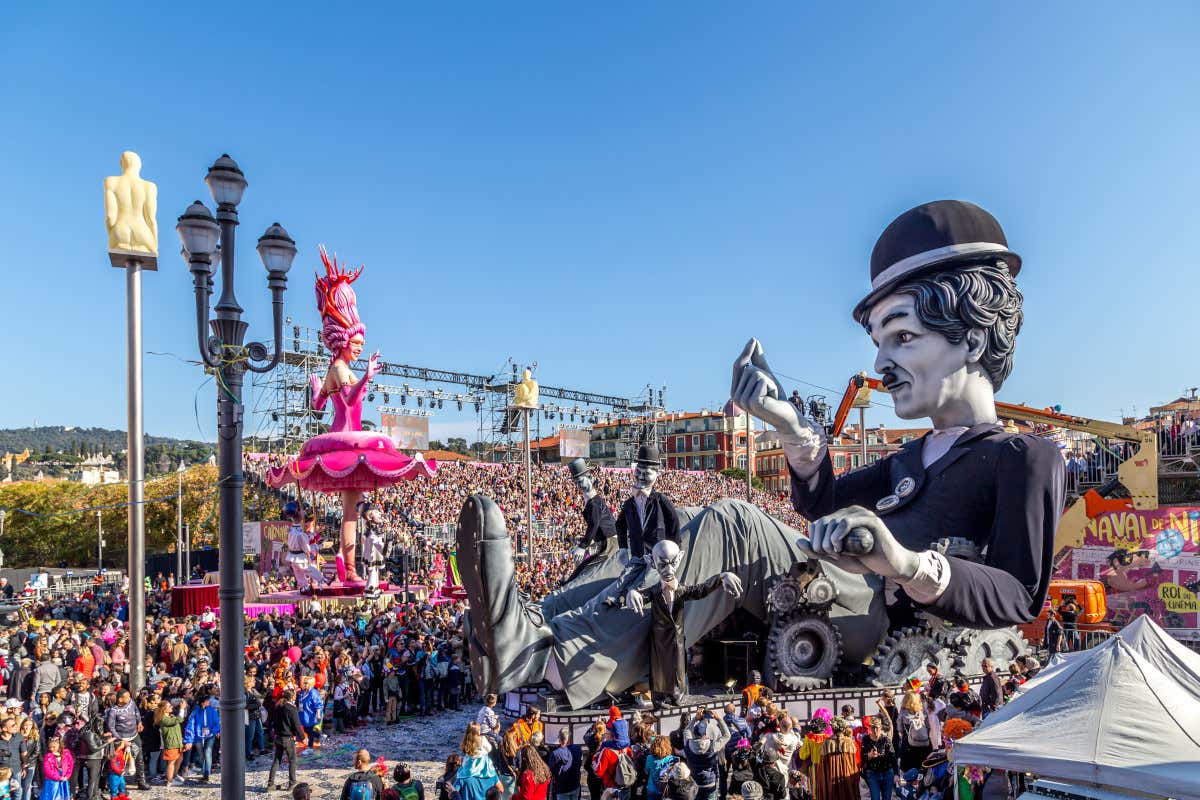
(338, 305)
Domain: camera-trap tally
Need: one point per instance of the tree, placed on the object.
(458, 445)
(739, 474)
(436, 444)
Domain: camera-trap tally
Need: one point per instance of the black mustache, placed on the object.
(889, 379)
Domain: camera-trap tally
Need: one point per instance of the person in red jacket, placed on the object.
(604, 763)
(534, 781)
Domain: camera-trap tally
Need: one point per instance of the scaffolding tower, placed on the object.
(285, 419)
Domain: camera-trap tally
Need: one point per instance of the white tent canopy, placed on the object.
(1125, 715)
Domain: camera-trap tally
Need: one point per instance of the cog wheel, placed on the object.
(803, 650)
(904, 653)
(1001, 645)
(820, 592)
(784, 597)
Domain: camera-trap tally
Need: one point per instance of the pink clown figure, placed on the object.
(439, 573)
(347, 460)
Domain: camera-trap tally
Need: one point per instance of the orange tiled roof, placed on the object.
(444, 455)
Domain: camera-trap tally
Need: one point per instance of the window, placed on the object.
(710, 441)
(855, 461)
(679, 444)
(874, 457)
(695, 442)
(741, 461)
(839, 461)
(710, 462)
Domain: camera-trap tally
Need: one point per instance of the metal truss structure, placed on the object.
(285, 419)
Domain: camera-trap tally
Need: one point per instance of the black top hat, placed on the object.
(931, 237)
(647, 456)
(578, 467)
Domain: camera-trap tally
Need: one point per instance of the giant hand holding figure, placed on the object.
(348, 460)
(944, 313)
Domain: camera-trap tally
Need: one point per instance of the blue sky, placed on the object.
(624, 192)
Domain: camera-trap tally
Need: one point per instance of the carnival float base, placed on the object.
(800, 705)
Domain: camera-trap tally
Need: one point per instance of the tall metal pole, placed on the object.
(136, 461)
(228, 356)
(862, 431)
(179, 525)
(749, 459)
(187, 546)
(528, 489)
(99, 544)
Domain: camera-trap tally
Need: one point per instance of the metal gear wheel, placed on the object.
(784, 597)
(803, 650)
(904, 653)
(820, 592)
(1001, 645)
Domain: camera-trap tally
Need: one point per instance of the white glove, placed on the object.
(648, 559)
(733, 584)
(755, 389)
(634, 600)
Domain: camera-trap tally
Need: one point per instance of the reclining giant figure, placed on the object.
(944, 313)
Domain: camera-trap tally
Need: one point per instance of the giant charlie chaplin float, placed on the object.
(931, 553)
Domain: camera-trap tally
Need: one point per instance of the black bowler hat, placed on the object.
(647, 456)
(578, 468)
(931, 237)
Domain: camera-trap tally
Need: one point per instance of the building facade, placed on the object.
(846, 452)
(703, 440)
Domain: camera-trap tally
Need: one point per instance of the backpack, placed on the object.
(917, 734)
(408, 792)
(360, 787)
(625, 774)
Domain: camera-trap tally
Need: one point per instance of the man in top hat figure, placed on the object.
(599, 538)
(647, 518)
(944, 313)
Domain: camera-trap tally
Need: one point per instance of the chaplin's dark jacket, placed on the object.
(598, 523)
(668, 663)
(1004, 492)
(662, 522)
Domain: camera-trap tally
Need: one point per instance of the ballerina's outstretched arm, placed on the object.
(360, 388)
(318, 392)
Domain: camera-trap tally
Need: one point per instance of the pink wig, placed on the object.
(338, 305)
(824, 715)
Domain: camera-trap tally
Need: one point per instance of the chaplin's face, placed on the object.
(584, 483)
(921, 369)
(666, 559)
(355, 346)
(644, 476)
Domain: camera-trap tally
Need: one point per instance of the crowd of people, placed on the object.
(71, 729)
(752, 750)
(412, 510)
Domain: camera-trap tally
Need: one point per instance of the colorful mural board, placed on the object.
(1149, 563)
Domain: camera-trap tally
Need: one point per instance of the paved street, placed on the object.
(422, 742)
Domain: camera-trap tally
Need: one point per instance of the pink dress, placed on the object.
(349, 458)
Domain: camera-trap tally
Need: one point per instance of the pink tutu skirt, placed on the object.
(350, 461)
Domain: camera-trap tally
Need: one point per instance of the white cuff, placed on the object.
(804, 450)
(931, 578)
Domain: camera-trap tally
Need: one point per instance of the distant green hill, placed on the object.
(56, 450)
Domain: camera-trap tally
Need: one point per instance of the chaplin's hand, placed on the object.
(634, 600)
(732, 583)
(755, 389)
(888, 558)
(373, 365)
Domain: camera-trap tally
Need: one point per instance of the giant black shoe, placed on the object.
(508, 640)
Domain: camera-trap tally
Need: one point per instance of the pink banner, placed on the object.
(1149, 562)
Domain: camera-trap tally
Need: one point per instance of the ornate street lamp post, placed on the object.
(225, 353)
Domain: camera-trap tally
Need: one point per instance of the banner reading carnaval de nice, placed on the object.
(1149, 562)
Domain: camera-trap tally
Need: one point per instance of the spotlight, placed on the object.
(403, 399)
(387, 398)
(439, 402)
(275, 416)
(478, 408)
(371, 397)
(460, 405)
(419, 403)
